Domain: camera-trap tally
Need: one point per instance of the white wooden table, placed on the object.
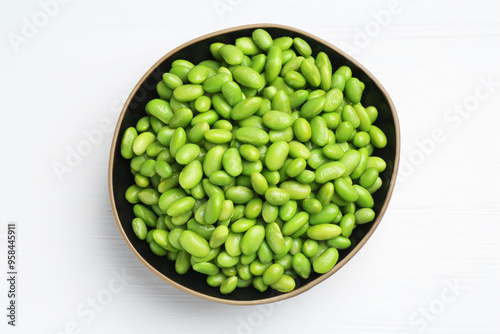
(432, 266)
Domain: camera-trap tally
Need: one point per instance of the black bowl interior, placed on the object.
(196, 52)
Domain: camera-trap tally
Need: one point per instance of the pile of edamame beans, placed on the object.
(254, 167)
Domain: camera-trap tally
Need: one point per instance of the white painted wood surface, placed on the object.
(433, 265)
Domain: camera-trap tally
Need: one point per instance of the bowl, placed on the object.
(195, 51)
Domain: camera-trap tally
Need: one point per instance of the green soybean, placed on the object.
(262, 38)
(276, 155)
(128, 139)
(253, 208)
(351, 160)
(257, 267)
(281, 135)
(157, 249)
(312, 205)
(146, 214)
(307, 176)
(181, 206)
(252, 239)
(227, 210)
(165, 135)
(177, 140)
(249, 152)
(312, 107)
(277, 120)
(277, 196)
(229, 285)
(148, 168)
(191, 175)
(141, 180)
(368, 177)
(372, 113)
(218, 136)
(344, 71)
(197, 133)
(365, 121)
(347, 224)
(182, 62)
(246, 108)
(199, 73)
(139, 227)
(273, 64)
(296, 167)
(339, 242)
(272, 274)
(206, 268)
(326, 261)
(239, 194)
(163, 91)
(215, 83)
(310, 72)
(323, 231)
(325, 72)
(213, 208)
(294, 224)
(288, 210)
(247, 46)
(213, 160)
(376, 162)
(194, 244)
(187, 93)
(275, 239)
(298, 150)
(249, 167)
(216, 280)
(365, 199)
(361, 139)
(232, 244)
(345, 190)
(251, 135)
(231, 54)
(232, 163)
(142, 141)
(295, 79)
(221, 106)
(248, 259)
(248, 77)
(149, 196)
(298, 98)
(377, 137)
(325, 216)
(171, 80)
(182, 262)
(181, 72)
(284, 284)
(344, 131)
(209, 117)
(364, 215)
(319, 135)
(258, 284)
(187, 153)
(296, 190)
(333, 151)
(354, 89)
(302, 47)
(330, 171)
(301, 265)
